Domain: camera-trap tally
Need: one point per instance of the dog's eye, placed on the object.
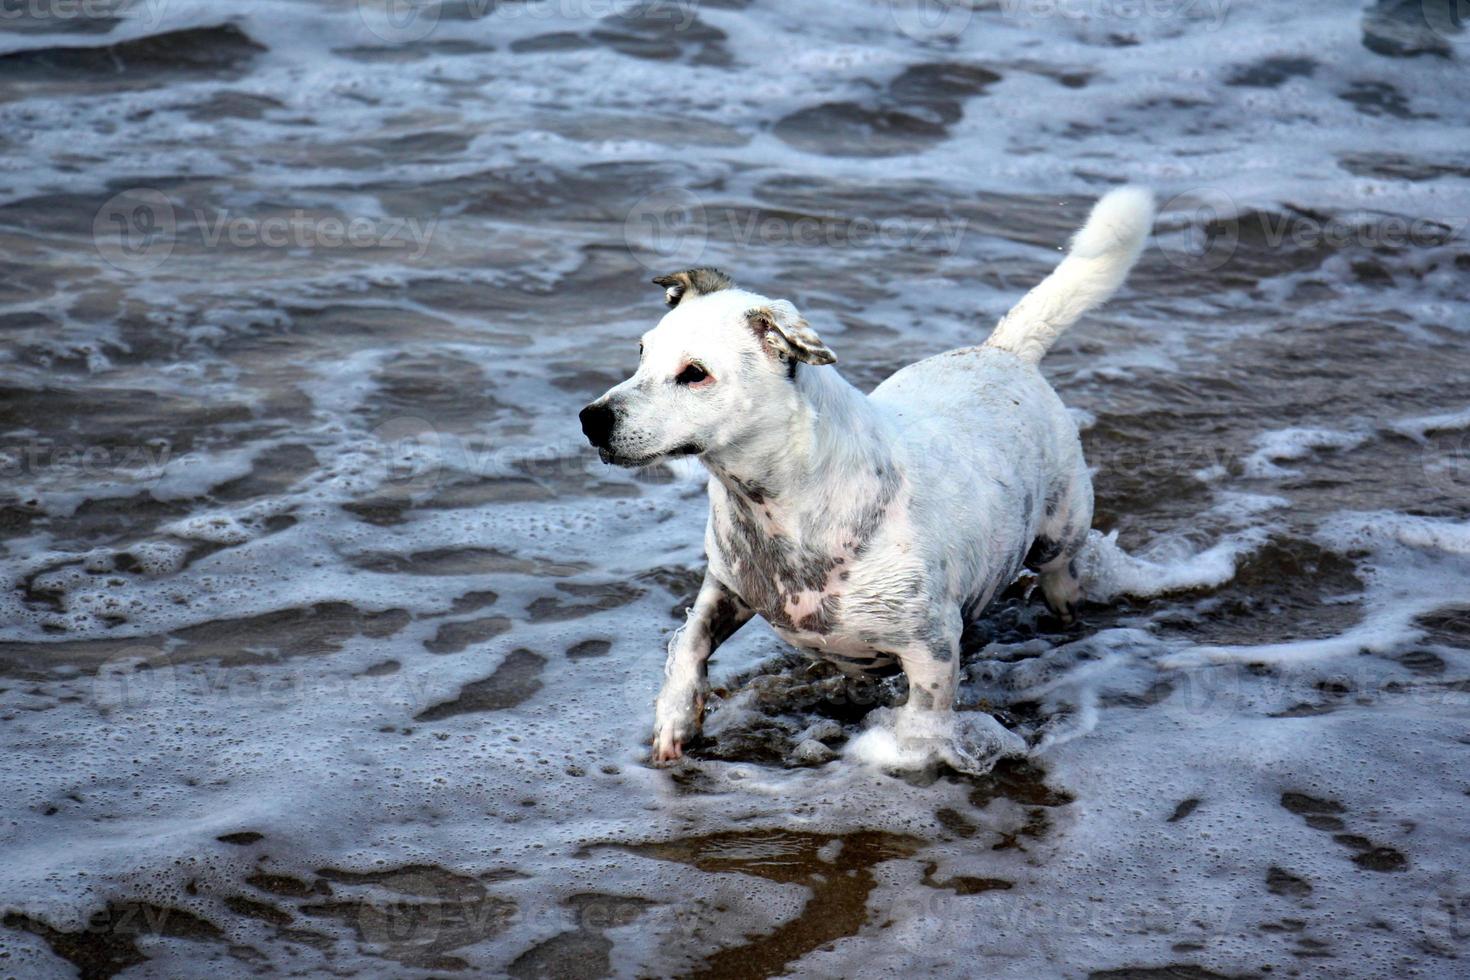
(691, 375)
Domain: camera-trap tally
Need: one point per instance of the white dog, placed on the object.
(865, 529)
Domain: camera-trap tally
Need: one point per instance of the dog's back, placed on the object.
(994, 455)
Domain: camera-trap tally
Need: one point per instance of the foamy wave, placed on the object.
(1404, 554)
(1293, 444)
(1108, 572)
(1420, 427)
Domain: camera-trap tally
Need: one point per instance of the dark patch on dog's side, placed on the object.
(692, 282)
(773, 568)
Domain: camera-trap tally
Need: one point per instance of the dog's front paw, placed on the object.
(677, 717)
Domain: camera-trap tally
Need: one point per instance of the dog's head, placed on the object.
(721, 364)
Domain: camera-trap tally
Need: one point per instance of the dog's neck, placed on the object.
(829, 444)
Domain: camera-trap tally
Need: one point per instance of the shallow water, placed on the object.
(328, 646)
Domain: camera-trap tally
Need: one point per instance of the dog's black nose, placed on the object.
(597, 424)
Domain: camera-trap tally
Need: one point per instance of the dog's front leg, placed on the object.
(928, 728)
(932, 665)
(716, 614)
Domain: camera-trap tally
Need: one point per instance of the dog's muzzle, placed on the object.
(597, 424)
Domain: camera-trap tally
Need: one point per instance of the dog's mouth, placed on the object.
(632, 462)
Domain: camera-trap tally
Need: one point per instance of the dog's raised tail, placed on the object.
(1102, 252)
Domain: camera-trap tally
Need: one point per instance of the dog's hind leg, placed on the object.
(1061, 588)
(716, 614)
(1063, 533)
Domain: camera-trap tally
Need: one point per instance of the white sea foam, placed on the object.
(1294, 444)
(1108, 571)
(1419, 428)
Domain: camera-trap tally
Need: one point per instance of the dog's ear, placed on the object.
(692, 282)
(784, 333)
